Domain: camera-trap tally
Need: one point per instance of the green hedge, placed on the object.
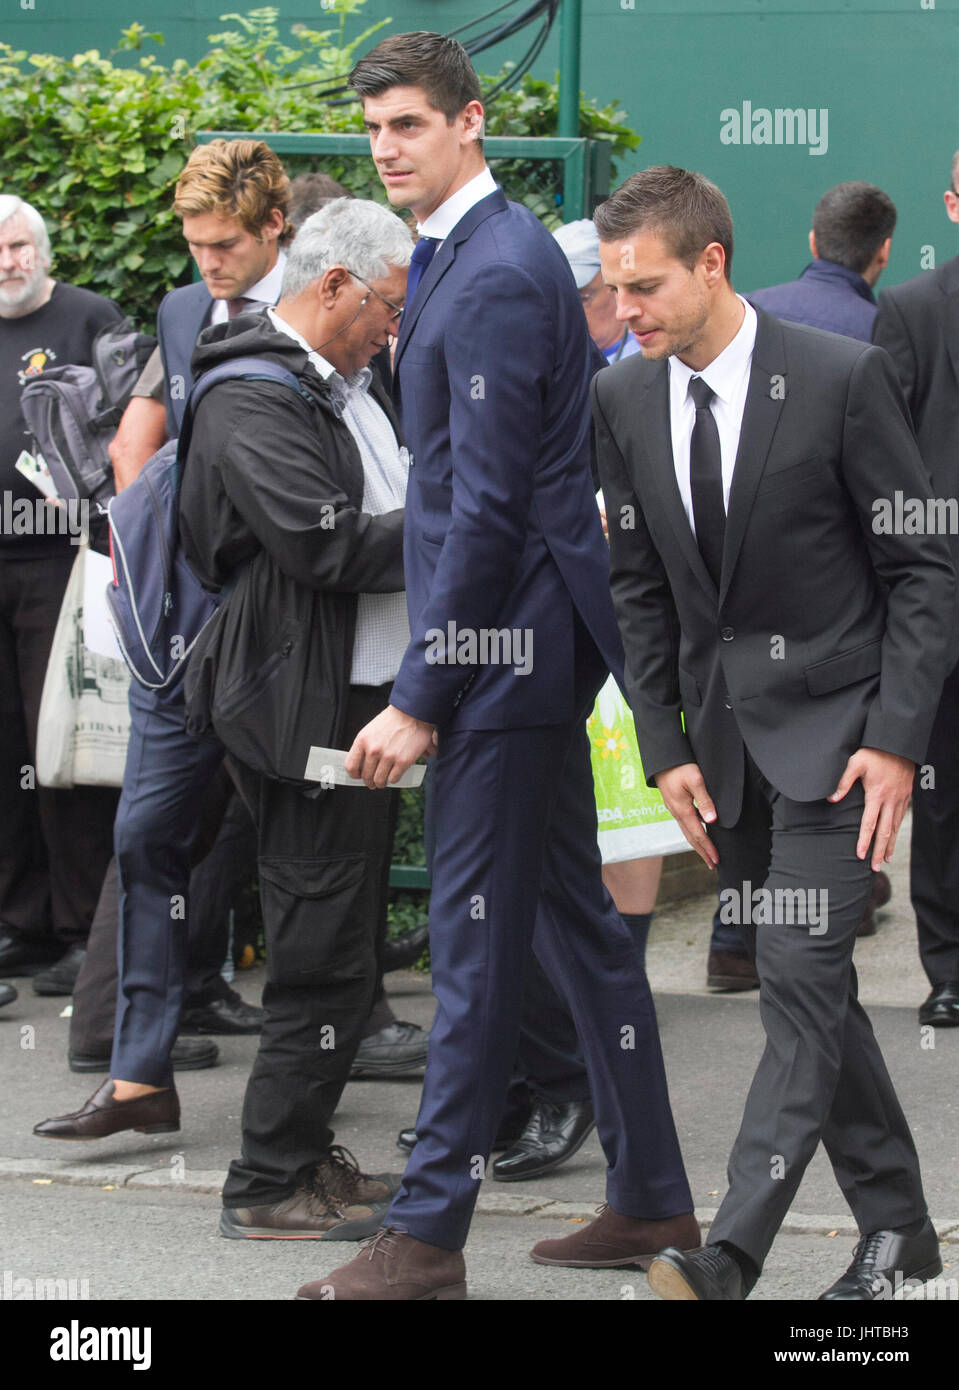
(97, 145)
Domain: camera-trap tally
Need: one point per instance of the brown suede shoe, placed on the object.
(725, 970)
(155, 1113)
(612, 1241)
(338, 1175)
(394, 1268)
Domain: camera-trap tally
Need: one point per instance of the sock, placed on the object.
(638, 923)
(913, 1228)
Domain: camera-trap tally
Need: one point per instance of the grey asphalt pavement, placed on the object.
(135, 1217)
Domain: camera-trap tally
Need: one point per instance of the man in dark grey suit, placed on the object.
(784, 660)
(918, 324)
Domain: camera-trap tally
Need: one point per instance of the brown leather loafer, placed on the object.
(725, 970)
(612, 1241)
(155, 1113)
(394, 1267)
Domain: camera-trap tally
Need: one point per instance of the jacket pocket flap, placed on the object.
(844, 669)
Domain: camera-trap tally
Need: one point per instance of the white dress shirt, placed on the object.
(266, 291)
(382, 623)
(441, 222)
(728, 377)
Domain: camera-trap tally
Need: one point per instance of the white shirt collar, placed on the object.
(725, 372)
(441, 222)
(326, 369)
(267, 290)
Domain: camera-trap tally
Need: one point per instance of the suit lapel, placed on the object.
(441, 262)
(950, 286)
(658, 441)
(764, 403)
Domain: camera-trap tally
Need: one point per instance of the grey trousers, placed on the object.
(821, 1076)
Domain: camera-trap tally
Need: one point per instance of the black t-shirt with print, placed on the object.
(57, 334)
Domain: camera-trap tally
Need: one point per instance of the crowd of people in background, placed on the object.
(364, 493)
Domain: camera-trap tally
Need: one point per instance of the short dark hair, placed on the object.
(688, 210)
(311, 191)
(439, 65)
(851, 222)
(954, 173)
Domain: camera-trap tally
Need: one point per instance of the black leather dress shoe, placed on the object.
(188, 1054)
(61, 978)
(396, 1050)
(7, 994)
(709, 1275)
(552, 1134)
(400, 952)
(886, 1260)
(941, 1009)
(223, 1016)
(511, 1127)
(155, 1113)
(20, 955)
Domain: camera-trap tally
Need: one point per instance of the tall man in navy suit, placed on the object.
(512, 633)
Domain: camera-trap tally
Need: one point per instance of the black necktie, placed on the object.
(706, 480)
(423, 253)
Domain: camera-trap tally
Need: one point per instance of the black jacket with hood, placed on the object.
(271, 504)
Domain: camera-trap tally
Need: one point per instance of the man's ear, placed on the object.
(812, 245)
(333, 282)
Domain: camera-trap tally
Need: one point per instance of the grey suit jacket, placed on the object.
(826, 634)
(918, 325)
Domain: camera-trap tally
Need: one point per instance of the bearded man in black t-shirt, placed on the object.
(54, 845)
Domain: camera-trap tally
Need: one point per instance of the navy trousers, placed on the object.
(166, 773)
(516, 863)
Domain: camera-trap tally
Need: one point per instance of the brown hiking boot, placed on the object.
(338, 1176)
(395, 1268)
(314, 1212)
(612, 1241)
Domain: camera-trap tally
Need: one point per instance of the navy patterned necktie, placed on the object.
(423, 253)
(706, 480)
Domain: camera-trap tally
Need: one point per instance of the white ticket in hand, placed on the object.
(328, 765)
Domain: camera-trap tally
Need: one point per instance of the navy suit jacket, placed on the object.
(827, 296)
(491, 374)
(182, 314)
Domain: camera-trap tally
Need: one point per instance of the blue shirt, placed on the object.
(826, 295)
(621, 348)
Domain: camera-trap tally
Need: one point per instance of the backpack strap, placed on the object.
(239, 368)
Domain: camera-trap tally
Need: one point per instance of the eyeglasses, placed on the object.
(395, 308)
(587, 299)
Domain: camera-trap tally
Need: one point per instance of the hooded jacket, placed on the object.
(270, 505)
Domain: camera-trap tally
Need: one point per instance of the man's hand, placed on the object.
(887, 782)
(387, 746)
(688, 801)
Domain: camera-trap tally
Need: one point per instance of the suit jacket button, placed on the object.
(727, 634)
(728, 705)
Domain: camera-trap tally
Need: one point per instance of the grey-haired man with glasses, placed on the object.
(309, 489)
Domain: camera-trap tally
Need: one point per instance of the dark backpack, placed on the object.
(73, 412)
(158, 606)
